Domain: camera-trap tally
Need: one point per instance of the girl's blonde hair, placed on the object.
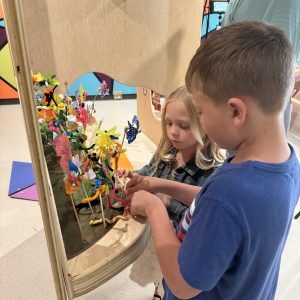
(208, 154)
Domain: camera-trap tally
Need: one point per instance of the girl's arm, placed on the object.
(185, 193)
(146, 170)
(176, 209)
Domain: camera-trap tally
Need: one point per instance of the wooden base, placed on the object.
(115, 251)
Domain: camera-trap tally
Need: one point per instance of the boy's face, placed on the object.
(216, 121)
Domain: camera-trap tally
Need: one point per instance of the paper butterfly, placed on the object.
(133, 129)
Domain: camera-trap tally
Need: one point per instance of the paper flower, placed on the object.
(105, 142)
(103, 89)
(37, 78)
(63, 149)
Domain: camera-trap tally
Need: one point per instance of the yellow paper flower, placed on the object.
(105, 145)
(111, 132)
(61, 106)
(37, 77)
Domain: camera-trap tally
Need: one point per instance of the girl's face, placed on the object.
(177, 125)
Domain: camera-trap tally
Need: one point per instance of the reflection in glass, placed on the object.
(157, 102)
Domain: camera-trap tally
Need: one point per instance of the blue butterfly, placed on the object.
(133, 129)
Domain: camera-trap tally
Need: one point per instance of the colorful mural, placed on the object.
(213, 14)
(8, 85)
(92, 81)
(89, 81)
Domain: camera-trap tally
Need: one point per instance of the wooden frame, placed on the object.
(150, 124)
(154, 46)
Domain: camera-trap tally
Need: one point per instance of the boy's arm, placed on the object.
(166, 242)
(185, 193)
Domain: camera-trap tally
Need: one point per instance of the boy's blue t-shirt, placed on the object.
(242, 216)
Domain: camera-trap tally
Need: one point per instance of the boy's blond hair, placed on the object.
(246, 59)
(208, 154)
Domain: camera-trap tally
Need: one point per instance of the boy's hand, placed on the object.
(142, 203)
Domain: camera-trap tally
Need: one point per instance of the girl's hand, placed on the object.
(125, 173)
(138, 183)
(142, 203)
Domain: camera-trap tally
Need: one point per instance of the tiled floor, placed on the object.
(24, 261)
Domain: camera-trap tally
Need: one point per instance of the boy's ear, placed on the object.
(238, 111)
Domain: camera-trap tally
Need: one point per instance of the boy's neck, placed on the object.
(265, 142)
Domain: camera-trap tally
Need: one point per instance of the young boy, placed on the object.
(235, 230)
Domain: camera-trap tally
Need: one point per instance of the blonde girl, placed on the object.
(184, 153)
